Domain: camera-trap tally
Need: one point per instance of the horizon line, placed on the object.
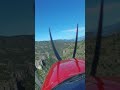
(61, 39)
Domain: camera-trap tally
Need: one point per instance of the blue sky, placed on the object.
(111, 8)
(62, 16)
(16, 17)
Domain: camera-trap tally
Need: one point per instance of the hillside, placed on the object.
(109, 62)
(44, 51)
(16, 61)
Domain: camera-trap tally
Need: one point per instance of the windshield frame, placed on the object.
(69, 80)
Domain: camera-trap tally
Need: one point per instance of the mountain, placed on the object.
(17, 41)
(107, 30)
(65, 49)
(73, 40)
(16, 47)
(111, 29)
(70, 40)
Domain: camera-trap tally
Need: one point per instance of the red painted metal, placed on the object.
(102, 83)
(63, 70)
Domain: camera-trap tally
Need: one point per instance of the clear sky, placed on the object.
(111, 15)
(16, 17)
(62, 16)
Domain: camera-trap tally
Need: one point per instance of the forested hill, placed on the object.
(44, 51)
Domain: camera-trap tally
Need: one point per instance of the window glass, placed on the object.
(74, 83)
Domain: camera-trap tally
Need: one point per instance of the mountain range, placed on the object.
(107, 30)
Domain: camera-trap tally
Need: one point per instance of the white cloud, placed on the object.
(80, 29)
(111, 15)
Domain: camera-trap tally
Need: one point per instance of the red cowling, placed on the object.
(102, 83)
(63, 70)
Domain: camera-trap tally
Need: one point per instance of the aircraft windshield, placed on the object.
(74, 83)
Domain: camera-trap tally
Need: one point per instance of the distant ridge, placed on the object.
(17, 41)
(73, 40)
(2, 36)
(107, 30)
(68, 40)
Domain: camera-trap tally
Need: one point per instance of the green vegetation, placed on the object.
(16, 57)
(65, 49)
(109, 62)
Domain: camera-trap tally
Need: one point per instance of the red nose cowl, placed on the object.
(63, 70)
